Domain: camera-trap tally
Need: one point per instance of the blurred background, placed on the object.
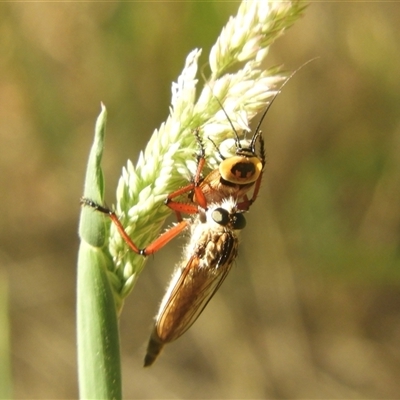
(311, 308)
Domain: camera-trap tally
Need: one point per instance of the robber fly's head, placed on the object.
(225, 214)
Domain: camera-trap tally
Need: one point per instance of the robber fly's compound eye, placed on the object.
(241, 170)
(220, 216)
(239, 221)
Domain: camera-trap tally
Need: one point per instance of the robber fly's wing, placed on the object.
(197, 283)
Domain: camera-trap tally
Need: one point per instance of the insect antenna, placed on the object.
(257, 130)
(237, 139)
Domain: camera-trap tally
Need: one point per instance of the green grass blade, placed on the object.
(97, 324)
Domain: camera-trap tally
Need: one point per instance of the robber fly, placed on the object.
(208, 258)
(217, 205)
(234, 177)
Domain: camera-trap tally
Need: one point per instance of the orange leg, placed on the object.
(153, 247)
(190, 208)
(256, 189)
(246, 203)
(179, 207)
